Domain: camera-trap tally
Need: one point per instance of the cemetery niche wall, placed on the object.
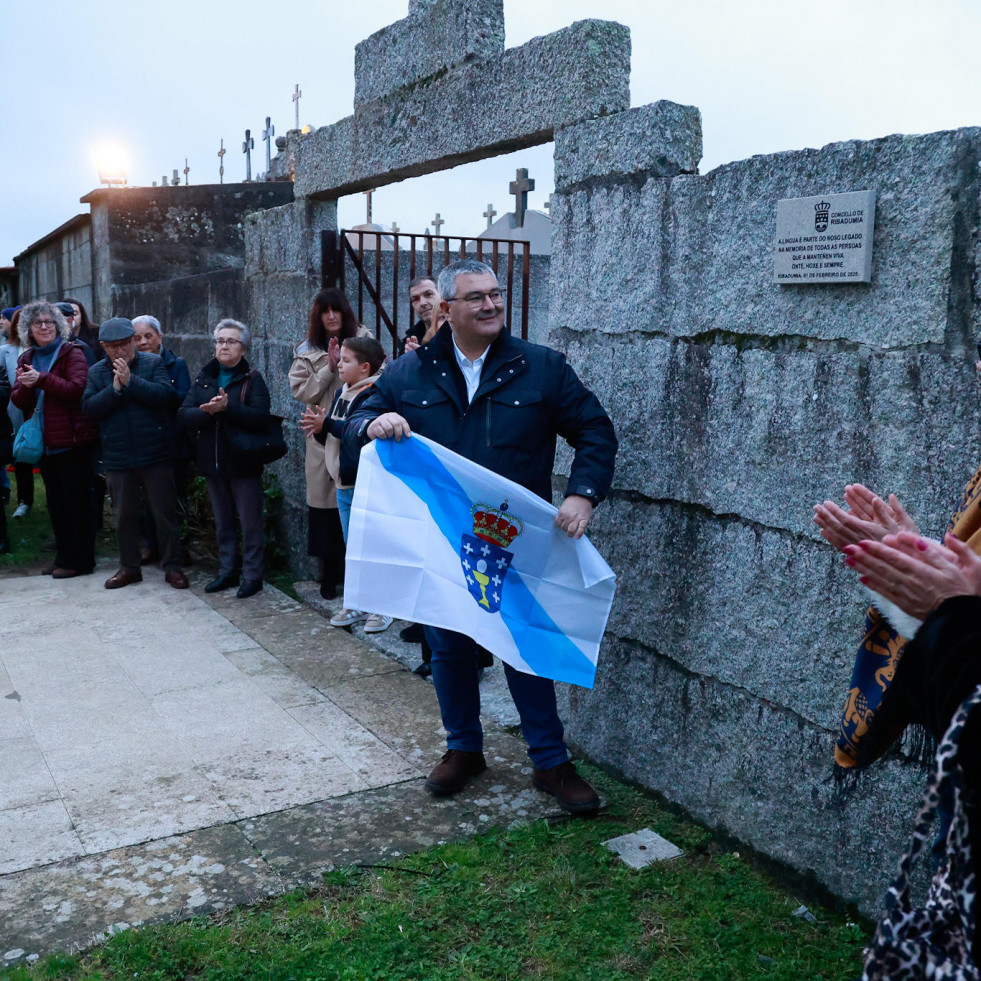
(739, 402)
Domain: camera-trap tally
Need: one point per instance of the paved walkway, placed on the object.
(165, 753)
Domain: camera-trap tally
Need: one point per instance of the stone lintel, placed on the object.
(662, 139)
(477, 109)
(433, 38)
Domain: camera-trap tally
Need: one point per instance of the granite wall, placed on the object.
(739, 403)
(58, 265)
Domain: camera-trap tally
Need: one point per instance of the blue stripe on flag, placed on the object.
(543, 646)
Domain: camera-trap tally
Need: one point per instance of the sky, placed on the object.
(165, 82)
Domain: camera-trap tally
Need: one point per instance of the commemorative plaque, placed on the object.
(824, 239)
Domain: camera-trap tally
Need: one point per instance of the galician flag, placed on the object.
(437, 539)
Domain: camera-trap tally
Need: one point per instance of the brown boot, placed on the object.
(454, 770)
(563, 782)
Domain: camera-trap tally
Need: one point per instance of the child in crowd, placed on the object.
(359, 367)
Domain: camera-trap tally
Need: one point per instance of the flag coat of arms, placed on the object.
(437, 539)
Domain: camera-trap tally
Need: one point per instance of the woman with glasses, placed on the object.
(228, 393)
(50, 380)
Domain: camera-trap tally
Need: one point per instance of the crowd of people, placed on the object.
(113, 407)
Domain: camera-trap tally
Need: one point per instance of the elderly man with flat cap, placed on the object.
(130, 395)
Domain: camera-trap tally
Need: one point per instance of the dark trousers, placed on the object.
(241, 496)
(455, 663)
(148, 527)
(24, 474)
(157, 483)
(66, 483)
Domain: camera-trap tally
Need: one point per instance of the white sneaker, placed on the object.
(22, 510)
(345, 617)
(376, 623)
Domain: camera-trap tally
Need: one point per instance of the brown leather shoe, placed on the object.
(123, 578)
(57, 573)
(454, 771)
(563, 782)
(177, 579)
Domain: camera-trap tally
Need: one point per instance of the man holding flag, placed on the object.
(500, 402)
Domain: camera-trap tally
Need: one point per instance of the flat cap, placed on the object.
(66, 308)
(117, 329)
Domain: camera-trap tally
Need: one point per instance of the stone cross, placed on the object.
(296, 103)
(395, 227)
(368, 195)
(267, 134)
(520, 188)
(175, 180)
(490, 214)
(248, 146)
(548, 205)
(221, 162)
(438, 223)
(187, 170)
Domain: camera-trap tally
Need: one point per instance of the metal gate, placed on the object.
(415, 255)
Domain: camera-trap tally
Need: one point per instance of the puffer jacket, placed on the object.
(214, 455)
(65, 425)
(528, 395)
(135, 423)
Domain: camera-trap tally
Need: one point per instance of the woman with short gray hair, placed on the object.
(228, 394)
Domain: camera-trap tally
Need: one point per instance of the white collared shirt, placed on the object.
(471, 369)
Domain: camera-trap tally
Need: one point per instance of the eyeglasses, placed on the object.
(44, 323)
(476, 300)
(117, 345)
(226, 341)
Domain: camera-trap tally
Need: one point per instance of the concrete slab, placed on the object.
(72, 904)
(165, 753)
(642, 848)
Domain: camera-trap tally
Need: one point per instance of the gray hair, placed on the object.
(35, 311)
(145, 318)
(446, 284)
(243, 332)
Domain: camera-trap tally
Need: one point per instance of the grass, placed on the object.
(539, 901)
(26, 535)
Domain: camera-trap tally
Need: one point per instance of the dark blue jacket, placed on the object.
(528, 395)
(135, 423)
(214, 455)
(177, 371)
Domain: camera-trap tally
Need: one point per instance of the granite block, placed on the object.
(764, 433)
(658, 140)
(477, 109)
(694, 255)
(747, 765)
(432, 39)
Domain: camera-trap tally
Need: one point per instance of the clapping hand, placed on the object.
(120, 374)
(868, 518)
(312, 420)
(333, 353)
(218, 404)
(915, 573)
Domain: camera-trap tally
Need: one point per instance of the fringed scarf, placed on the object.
(880, 651)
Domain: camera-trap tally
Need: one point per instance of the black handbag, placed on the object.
(251, 447)
(935, 941)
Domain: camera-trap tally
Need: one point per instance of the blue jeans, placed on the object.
(456, 682)
(345, 495)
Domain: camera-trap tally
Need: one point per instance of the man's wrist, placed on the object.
(582, 490)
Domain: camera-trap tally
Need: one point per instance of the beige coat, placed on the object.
(314, 384)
